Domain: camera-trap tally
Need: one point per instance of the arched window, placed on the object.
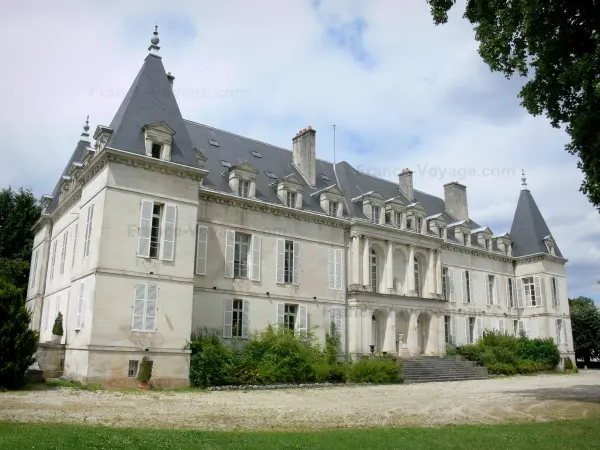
(373, 270)
(417, 277)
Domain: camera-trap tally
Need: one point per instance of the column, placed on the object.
(411, 337)
(252, 189)
(356, 260)
(355, 331)
(367, 327)
(438, 272)
(432, 334)
(403, 221)
(389, 344)
(389, 267)
(410, 270)
(430, 284)
(366, 275)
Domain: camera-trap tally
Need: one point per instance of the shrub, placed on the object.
(18, 343)
(527, 366)
(333, 342)
(214, 364)
(375, 370)
(471, 352)
(451, 350)
(543, 351)
(501, 369)
(145, 371)
(568, 363)
(57, 329)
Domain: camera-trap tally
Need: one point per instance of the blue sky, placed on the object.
(401, 92)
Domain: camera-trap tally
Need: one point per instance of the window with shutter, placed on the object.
(280, 314)
(331, 268)
(169, 228)
(502, 325)
(479, 324)
(63, 253)
(53, 259)
(296, 272)
(144, 307)
(256, 256)
(88, 231)
(335, 269)
(520, 293)
(229, 253)
(538, 291)
(510, 293)
(34, 271)
(74, 245)
(445, 292)
(201, 249)
(467, 286)
(145, 232)
(79, 314)
(151, 299)
(339, 276)
(246, 319)
(451, 285)
(337, 317)
(302, 318)
(530, 294)
(497, 290)
(228, 327)
(280, 277)
(453, 330)
(489, 281)
(139, 306)
(469, 330)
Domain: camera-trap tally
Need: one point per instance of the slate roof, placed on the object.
(529, 228)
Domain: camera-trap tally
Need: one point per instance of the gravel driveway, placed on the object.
(545, 397)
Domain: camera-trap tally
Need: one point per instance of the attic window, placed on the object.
(271, 175)
(225, 163)
(255, 153)
(156, 148)
(325, 177)
(213, 143)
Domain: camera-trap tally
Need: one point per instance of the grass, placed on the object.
(548, 435)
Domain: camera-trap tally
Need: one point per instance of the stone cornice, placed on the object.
(390, 233)
(271, 208)
(477, 252)
(540, 257)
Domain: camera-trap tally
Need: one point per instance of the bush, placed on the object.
(568, 363)
(214, 364)
(145, 371)
(527, 366)
(18, 343)
(471, 352)
(57, 329)
(501, 369)
(543, 351)
(375, 370)
(333, 342)
(451, 350)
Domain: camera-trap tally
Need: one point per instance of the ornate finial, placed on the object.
(86, 127)
(154, 48)
(523, 180)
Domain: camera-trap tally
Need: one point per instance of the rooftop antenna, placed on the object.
(523, 180)
(334, 144)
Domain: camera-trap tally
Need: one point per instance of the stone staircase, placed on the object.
(424, 369)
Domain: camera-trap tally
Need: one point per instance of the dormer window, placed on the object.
(397, 219)
(375, 213)
(156, 150)
(158, 138)
(244, 188)
(242, 179)
(441, 232)
(291, 199)
(289, 190)
(409, 223)
(419, 227)
(333, 208)
(488, 245)
(330, 200)
(466, 238)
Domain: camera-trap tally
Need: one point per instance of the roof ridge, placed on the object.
(251, 139)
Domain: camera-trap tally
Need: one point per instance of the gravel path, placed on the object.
(541, 398)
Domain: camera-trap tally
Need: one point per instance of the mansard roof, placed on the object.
(529, 228)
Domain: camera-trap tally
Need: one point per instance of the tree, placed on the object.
(18, 343)
(585, 323)
(19, 211)
(557, 43)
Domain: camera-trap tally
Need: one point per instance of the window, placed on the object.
(490, 284)
(467, 286)
(201, 249)
(63, 253)
(510, 292)
(88, 231)
(373, 270)
(530, 294)
(471, 330)
(155, 231)
(397, 219)
(409, 223)
(448, 329)
(559, 331)
(240, 257)
(79, 315)
(417, 267)
(214, 143)
(289, 317)
(156, 150)
(419, 227)
(375, 213)
(441, 232)
(133, 368)
(445, 282)
(236, 321)
(333, 207)
(34, 271)
(53, 260)
(337, 317)
(144, 307)
(74, 245)
(554, 284)
(291, 199)
(288, 269)
(335, 268)
(466, 238)
(244, 188)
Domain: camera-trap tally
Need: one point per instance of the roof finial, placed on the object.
(86, 127)
(523, 180)
(154, 48)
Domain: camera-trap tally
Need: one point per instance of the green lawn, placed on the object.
(580, 434)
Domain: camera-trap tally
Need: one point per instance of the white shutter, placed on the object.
(296, 263)
(538, 291)
(520, 293)
(508, 299)
(471, 292)
(302, 318)
(556, 294)
(280, 313)
(63, 253)
(494, 324)
(169, 228)
(451, 285)
(497, 289)
(151, 301)
(228, 318)
(502, 325)
(533, 327)
(453, 330)
(467, 331)
(246, 319)
(145, 228)
(339, 276)
(88, 231)
(280, 261)
(479, 327)
(53, 259)
(139, 305)
(464, 287)
(557, 330)
(229, 252)
(256, 255)
(201, 249)
(337, 316)
(488, 294)
(74, 244)
(332, 268)
(35, 263)
(79, 315)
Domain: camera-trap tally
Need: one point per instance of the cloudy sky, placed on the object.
(401, 92)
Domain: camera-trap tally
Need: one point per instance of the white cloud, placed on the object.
(265, 69)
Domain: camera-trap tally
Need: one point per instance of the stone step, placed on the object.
(423, 369)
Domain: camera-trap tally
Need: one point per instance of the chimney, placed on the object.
(455, 196)
(405, 183)
(304, 146)
(171, 78)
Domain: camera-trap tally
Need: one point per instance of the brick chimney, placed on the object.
(455, 196)
(304, 146)
(405, 183)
